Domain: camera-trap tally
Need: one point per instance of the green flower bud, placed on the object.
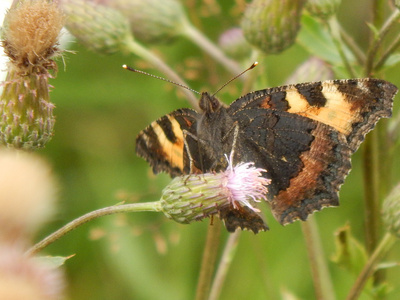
(30, 35)
(101, 29)
(152, 21)
(391, 211)
(194, 197)
(272, 25)
(233, 43)
(322, 8)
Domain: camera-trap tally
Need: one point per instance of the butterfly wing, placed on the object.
(304, 136)
(351, 106)
(162, 142)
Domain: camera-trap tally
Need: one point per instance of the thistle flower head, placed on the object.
(322, 8)
(272, 25)
(100, 28)
(194, 197)
(29, 38)
(313, 69)
(23, 277)
(30, 35)
(152, 21)
(233, 43)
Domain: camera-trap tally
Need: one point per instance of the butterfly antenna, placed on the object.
(161, 78)
(229, 81)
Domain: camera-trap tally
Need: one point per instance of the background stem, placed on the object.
(321, 278)
(223, 267)
(139, 50)
(208, 262)
(198, 38)
(135, 207)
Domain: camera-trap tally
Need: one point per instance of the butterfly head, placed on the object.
(209, 103)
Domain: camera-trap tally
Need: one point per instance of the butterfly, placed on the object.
(302, 134)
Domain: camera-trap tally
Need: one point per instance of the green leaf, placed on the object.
(53, 261)
(350, 253)
(387, 265)
(392, 60)
(317, 40)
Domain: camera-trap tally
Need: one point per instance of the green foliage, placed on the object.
(100, 110)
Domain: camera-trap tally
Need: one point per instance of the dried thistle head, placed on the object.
(30, 35)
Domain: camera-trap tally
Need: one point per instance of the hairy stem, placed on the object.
(135, 207)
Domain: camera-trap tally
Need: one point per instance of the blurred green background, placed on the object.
(100, 108)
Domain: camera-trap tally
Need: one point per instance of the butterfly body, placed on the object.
(303, 135)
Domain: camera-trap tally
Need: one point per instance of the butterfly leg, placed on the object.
(185, 134)
(235, 129)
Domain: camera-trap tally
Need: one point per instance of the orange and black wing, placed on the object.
(304, 136)
(162, 142)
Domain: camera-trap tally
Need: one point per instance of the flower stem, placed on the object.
(371, 188)
(197, 37)
(352, 45)
(389, 51)
(319, 269)
(144, 53)
(226, 260)
(373, 49)
(334, 29)
(135, 207)
(208, 261)
(369, 268)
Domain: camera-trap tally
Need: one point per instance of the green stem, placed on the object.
(352, 45)
(334, 29)
(371, 189)
(369, 268)
(208, 261)
(392, 47)
(373, 49)
(319, 269)
(135, 207)
(197, 37)
(223, 267)
(141, 51)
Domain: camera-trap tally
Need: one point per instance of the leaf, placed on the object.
(387, 265)
(392, 60)
(319, 42)
(350, 253)
(53, 261)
